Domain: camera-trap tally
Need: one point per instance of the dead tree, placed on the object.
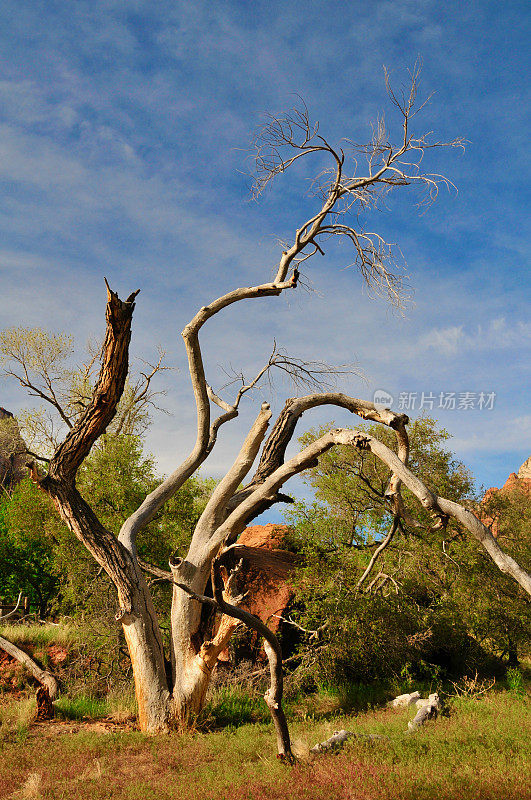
(341, 190)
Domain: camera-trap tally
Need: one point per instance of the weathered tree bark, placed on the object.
(340, 738)
(427, 711)
(273, 695)
(404, 700)
(136, 611)
(223, 520)
(334, 742)
(210, 650)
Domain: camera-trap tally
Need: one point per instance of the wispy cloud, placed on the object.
(495, 335)
(124, 130)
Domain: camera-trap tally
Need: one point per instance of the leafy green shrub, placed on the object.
(515, 680)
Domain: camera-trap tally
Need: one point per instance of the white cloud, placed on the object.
(497, 436)
(117, 156)
(495, 335)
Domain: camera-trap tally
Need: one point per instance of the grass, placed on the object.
(81, 708)
(232, 706)
(479, 752)
(16, 717)
(40, 634)
(330, 701)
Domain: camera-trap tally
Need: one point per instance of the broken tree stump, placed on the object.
(45, 709)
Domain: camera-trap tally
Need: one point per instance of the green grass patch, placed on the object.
(62, 634)
(16, 717)
(479, 752)
(81, 708)
(330, 699)
(230, 706)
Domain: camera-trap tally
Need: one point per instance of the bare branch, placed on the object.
(206, 434)
(301, 373)
(273, 695)
(284, 139)
(13, 611)
(313, 634)
(440, 507)
(381, 547)
(215, 508)
(284, 428)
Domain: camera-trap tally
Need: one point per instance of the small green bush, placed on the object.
(515, 681)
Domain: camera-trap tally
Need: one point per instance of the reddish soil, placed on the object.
(14, 677)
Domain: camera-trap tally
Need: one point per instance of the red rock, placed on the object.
(517, 481)
(266, 597)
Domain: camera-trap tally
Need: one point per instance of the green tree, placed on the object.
(40, 557)
(28, 530)
(116, 477)
(411, 612)
(500, 616)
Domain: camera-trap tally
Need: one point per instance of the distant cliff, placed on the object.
(516, 482)
(12, 451)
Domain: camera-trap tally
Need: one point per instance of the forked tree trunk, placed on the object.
(163, 700)
(193, 656)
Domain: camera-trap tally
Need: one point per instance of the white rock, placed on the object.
(404, 700)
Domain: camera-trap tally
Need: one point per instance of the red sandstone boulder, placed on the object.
(267, 596)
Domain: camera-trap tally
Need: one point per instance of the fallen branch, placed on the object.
(43, 676)
(338, 739)
(12, 613)
(427, 711)
(404, 700)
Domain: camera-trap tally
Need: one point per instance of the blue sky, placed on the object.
(125, 131)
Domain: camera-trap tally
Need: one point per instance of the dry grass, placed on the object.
(480, 752)
(38, 634)
(16, 717)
